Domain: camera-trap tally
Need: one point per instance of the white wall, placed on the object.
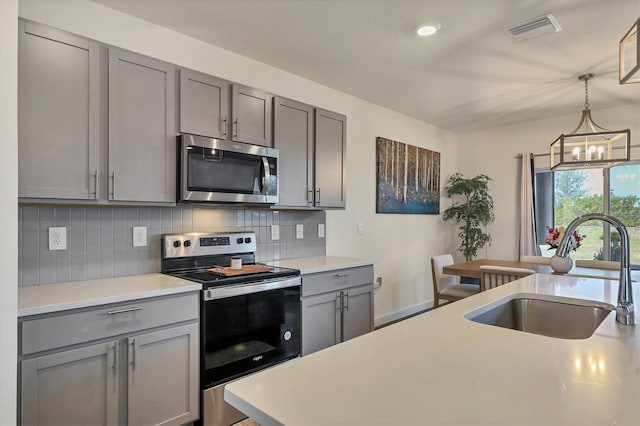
(8, 207)
(387, 239)
(500, 145)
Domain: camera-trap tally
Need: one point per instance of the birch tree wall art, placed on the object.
(408, 178)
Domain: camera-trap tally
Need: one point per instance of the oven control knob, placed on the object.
(187, 243)
(287, 335)
(176, 244)
(239, 240)
(247, 240)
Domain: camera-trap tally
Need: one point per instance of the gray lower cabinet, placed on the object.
(134, 367)
(336, 306)
(250, 115)
(204, 105)
(59, 113)
(312, 156)
(141, 128)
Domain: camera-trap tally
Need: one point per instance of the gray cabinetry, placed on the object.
(204, 105)
(250, 115)
(330, 159)
(59, 112)
(336, 306)
(131, 364)
(312, 157)
(141, 128)
(293, 137)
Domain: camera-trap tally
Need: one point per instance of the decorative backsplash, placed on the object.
(100, 239)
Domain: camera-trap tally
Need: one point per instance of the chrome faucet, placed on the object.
(625, 310)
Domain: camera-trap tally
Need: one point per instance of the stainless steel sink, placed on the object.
(561, 318)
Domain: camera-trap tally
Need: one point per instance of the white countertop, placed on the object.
(311, 265)
(440, 368)
(47, 298)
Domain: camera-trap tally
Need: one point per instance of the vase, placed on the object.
(561, 264)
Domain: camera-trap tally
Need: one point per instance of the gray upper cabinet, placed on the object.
(330, 159)
(141, 128)
(293, 136)
(250, 115)
(204, 105)
(59, 113)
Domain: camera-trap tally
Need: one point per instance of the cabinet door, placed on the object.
(58, 114)
(76, 387)
(320, 322)
(250, 115)
(293, 136)
(141, 128)
(163, 376)
(204, 104)
(330, 159)
(357, 312)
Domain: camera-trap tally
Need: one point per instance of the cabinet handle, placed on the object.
(344, 274)
(122, 311)
(132, 353)
(95, 184)
(339, 302)
(235, 133)
(318, 198)
(309, 196)
(114, 364)
(224, 127)
(346, 301)
(113, 185)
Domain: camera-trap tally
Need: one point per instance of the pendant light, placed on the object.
(629, 69)
(590, 145)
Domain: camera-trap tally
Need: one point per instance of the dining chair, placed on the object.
(494, 276)
(445, 286)
(598, 264)
(540, 260)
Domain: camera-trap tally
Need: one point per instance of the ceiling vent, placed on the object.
(533, 28)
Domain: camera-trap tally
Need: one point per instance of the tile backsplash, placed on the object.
(100, 239)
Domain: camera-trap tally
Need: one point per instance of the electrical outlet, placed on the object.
(58, 238)
(360, 228)
(299, 231)
(321, 230)
(275, 232)
(139, 236)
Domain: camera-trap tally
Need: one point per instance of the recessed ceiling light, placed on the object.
(427, 30)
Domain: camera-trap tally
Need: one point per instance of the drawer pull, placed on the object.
(122, 311)
(343, 275)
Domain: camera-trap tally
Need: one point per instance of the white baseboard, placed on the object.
(395, 316)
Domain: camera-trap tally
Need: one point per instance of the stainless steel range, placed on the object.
(250, 317)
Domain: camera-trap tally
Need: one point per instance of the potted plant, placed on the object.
(471, 213)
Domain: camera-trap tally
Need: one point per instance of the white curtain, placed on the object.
(527, 217)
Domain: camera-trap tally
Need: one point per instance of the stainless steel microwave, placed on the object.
(222, 171)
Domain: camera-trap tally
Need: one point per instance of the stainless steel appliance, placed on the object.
(250, 318)
(222, 171)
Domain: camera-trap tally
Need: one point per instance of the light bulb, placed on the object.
(576, 153)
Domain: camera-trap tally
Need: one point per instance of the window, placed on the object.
(564, 195)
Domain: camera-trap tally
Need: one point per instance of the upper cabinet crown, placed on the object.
(207, 110)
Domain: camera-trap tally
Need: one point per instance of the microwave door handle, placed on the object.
(266, 176)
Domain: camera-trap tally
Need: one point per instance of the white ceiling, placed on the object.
(469, 75)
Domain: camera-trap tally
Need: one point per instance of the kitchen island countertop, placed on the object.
(312, 265)
(48, 298)
(441, 368)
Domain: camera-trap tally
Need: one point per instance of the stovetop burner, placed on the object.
(189, 256)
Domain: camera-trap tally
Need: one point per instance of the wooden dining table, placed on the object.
(472, 269)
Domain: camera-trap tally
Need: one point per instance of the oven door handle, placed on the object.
(249, 288)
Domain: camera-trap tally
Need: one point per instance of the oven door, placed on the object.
(217, 170)
(249, 327)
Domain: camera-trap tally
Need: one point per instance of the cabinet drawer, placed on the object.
(49, 332)
(336, 280)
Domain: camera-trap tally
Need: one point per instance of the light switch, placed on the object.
(360, 228)
(321, 230)
(275, 232)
